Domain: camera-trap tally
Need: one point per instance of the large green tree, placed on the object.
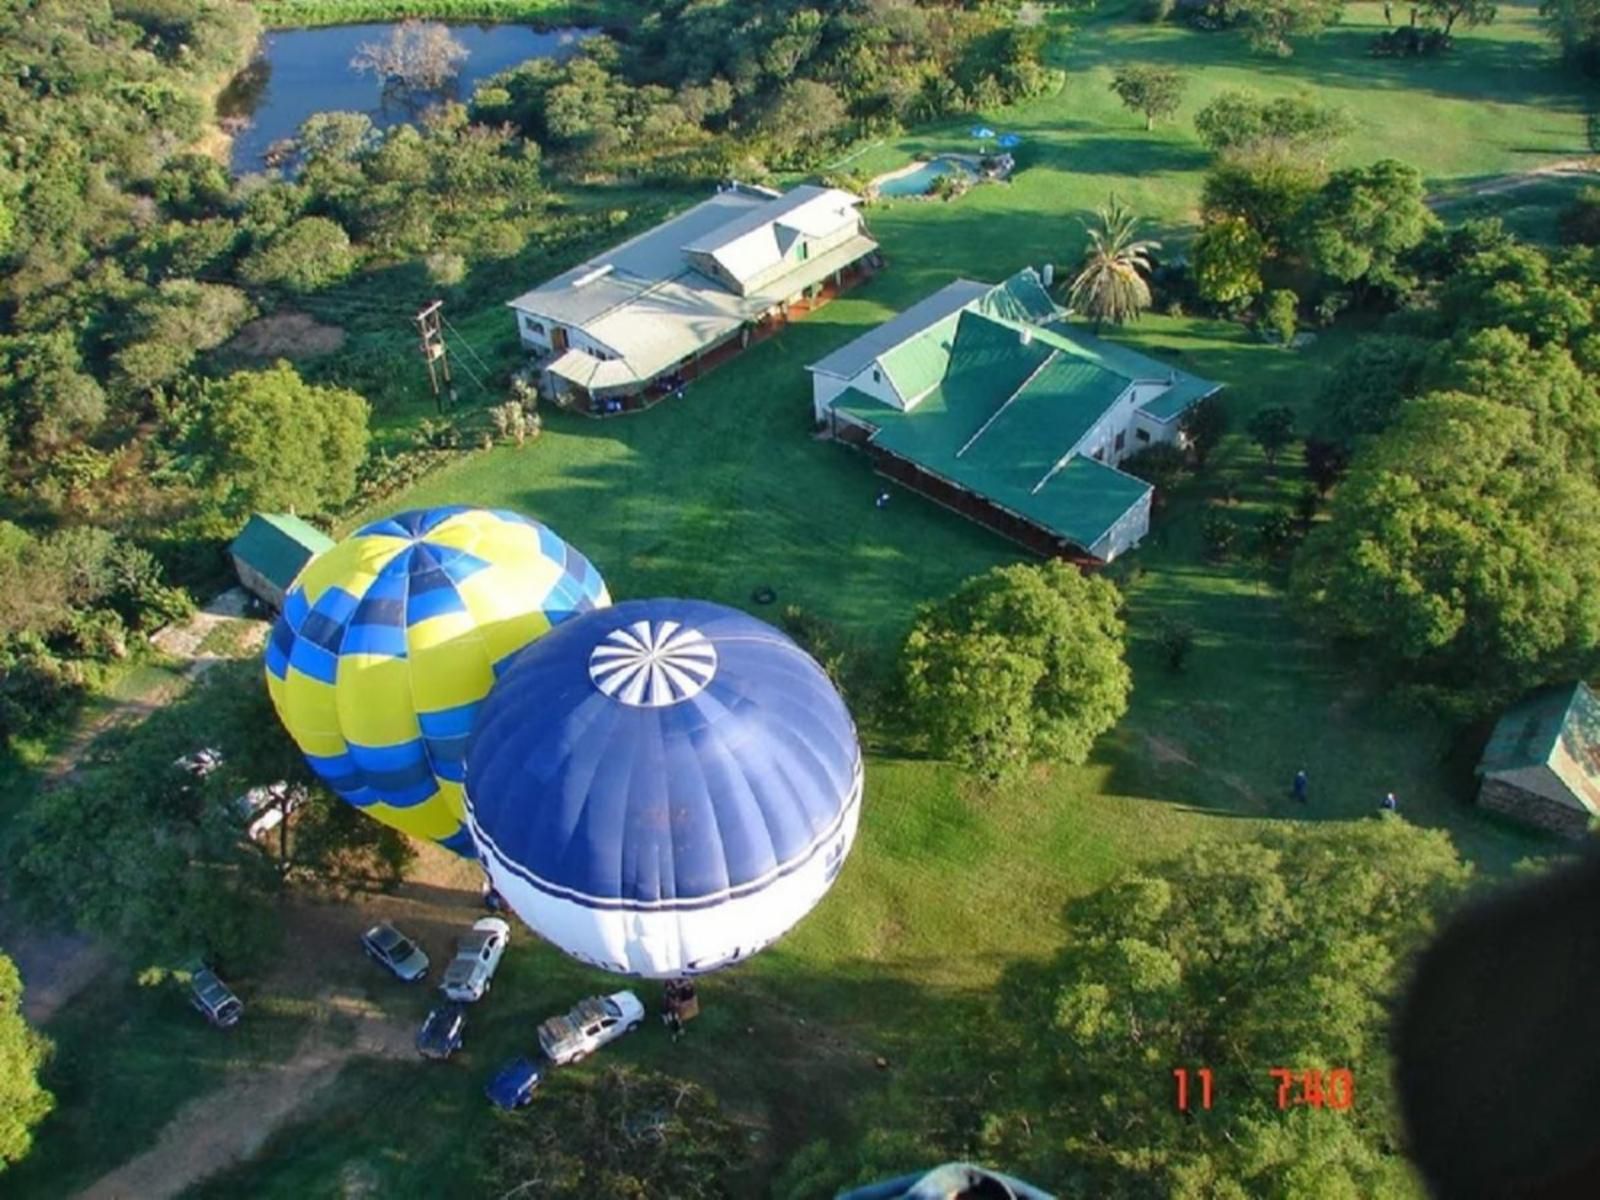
(1227, 260)
(1463, 550)
(1363, 220)
(274, 442)
(1152, 92)
(1363, 393)
(1270, 24)
(1110, 284)
(306, 257)
(1467, 12)
(1021, 663)
(1268, 190)
(1237, 957)
(23, 1102)
(1240, 121)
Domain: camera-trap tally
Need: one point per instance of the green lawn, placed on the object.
(951, 882)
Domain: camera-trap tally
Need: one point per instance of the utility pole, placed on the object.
(429, 326)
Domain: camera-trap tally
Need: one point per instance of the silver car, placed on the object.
(393, 950)
(470, 973)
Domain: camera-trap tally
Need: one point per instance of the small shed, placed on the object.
(271, 550)
(1542, 763)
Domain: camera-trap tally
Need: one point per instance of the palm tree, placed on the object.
(1109, 286)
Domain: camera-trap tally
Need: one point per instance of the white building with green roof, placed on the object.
(986, 399)
(1542, 762)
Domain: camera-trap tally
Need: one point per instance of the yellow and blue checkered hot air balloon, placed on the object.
(390, 641)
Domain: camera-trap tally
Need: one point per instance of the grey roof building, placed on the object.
(661, 301)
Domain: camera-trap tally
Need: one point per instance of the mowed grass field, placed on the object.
(951, 882)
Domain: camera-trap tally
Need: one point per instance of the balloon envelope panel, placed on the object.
(663, 787)
(389, 642)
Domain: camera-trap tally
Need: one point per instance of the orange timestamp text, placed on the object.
(1305, 1088)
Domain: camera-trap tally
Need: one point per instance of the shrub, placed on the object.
(1281, 312)
(1220, 533)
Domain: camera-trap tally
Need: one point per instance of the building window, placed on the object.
(805, 250)
(1141, 435)
(536, 327)
(1122, 439)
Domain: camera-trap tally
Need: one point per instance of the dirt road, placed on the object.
(223, 1127)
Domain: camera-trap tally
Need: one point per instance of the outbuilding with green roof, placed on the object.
(271, 550)
(986, 399)
(1542, 763)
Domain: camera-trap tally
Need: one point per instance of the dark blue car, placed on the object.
(442, 1033)
(514, 1084)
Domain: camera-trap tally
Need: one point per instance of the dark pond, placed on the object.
(303, 71)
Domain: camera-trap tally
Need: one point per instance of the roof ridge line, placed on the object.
(967, 307)
(1020, 388)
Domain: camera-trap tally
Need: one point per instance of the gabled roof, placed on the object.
(759, 239)
(1557, 727)
(1183, 389)
(1023, 297)
(1000, 422)
(851, 359)
(582, 295)
(919, 363)
(278, 545)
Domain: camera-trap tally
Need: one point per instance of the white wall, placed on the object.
(1127, 533)
(1102, 435)
(533, 339)
(825, 389)
(874, 381)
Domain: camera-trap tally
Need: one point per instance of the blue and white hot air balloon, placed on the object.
(663, 787)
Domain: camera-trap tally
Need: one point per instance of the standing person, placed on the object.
(1389, 803)
(1301, 784)
(1388, 13)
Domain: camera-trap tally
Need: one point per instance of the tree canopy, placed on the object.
(1240, 121)
(1241, 956)
(1019, 664)
(1153, 92)
(277, 443)
(1364, 219)
(1464, 551)
(23, 1101)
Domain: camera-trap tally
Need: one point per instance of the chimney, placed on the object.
(1047, 274)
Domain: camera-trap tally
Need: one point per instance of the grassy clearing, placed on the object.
(127, 1058)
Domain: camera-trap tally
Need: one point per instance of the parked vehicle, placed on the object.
(443, 1032)
(213, 999)
(590, 1025)
(478, 954)
(266, 808)
(514, 1084)
(395, 952)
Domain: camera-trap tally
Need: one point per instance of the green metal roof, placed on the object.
(999, 422)
(279, 545)
(920, 362)
(1185, 389)
(1023, 297)
(1557, 727)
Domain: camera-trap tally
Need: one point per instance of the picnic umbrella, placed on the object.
(663, 787)
(389, 641)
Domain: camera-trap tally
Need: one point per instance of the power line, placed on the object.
(487, 370)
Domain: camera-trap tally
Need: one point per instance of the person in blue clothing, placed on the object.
(1388, 803)
(1301, 784)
